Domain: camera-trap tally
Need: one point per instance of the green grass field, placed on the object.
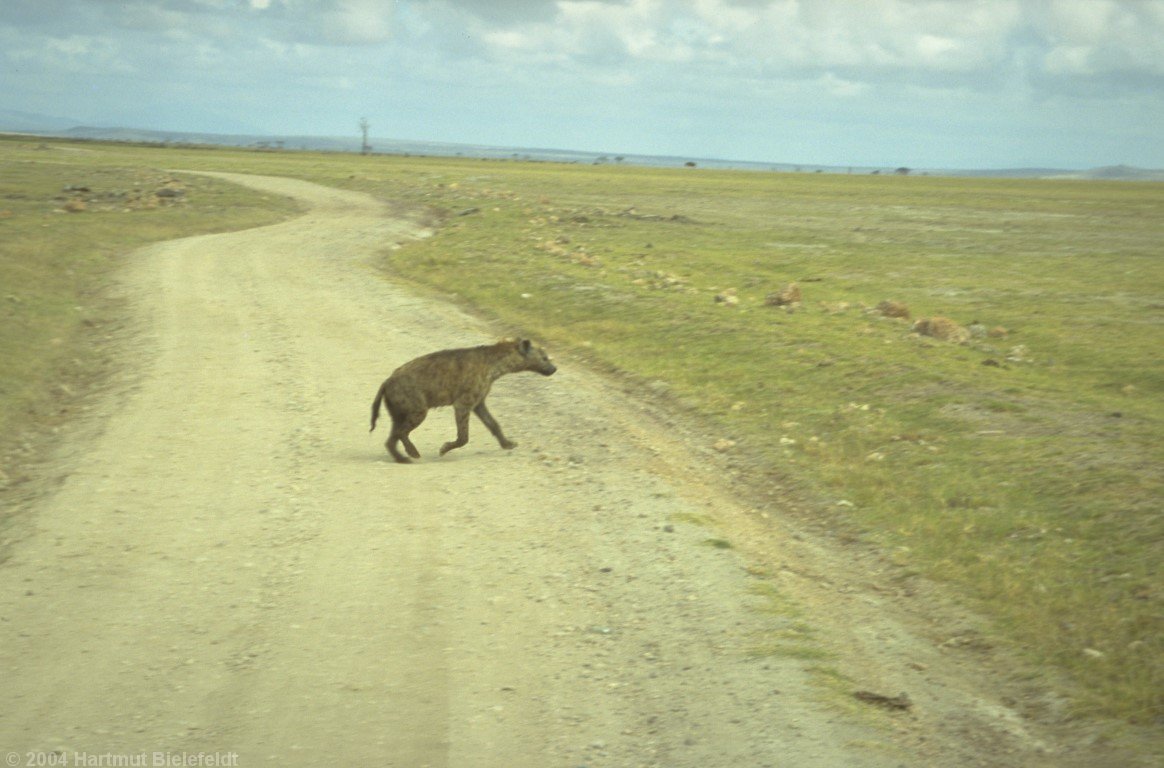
(1024, 470)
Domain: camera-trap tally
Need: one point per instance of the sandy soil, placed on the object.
(228, 563)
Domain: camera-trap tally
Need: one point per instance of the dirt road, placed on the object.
(232, 567)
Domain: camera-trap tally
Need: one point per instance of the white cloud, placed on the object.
(70, 54)
(1097, 37)
(357, 22)
(864, 39)
(840, 87)
(678, 71)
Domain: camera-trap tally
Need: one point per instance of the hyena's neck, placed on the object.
(504, 363)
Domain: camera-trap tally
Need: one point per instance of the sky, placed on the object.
(917, 83)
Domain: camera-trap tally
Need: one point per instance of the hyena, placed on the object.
(457, 377)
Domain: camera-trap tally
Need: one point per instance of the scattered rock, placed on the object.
(1019, 354)
(146, 194)
(727, 297)
(942, 328)
(468, 211)
(893, 309)
(835, 307)
(554, 248)
(901, 701)
(788, 296)
(677, 218)
(970, 640)
(998, 332)
(724, 444)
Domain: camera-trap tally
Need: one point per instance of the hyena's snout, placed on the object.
(537, 360)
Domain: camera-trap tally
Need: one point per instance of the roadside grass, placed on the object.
(1025, 471)
(790, 636)
(55, 268)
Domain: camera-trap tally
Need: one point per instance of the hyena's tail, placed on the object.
(376, 405)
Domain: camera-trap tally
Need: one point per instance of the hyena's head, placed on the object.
(535, 358)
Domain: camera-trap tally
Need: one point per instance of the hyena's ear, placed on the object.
(524, 346)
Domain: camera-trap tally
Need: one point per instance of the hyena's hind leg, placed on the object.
(402, 425)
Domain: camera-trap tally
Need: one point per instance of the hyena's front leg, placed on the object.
(490, 422)
(462, 414)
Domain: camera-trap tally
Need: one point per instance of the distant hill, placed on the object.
(1107, 173)
(44, 125)
(1124, 173)
(317, 143)
(12, 120)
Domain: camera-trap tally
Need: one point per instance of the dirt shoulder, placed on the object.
(229, 563)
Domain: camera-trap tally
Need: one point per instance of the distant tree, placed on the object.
(903, 171)
(689, 164)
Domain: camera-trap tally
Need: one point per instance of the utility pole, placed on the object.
(365, 148)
